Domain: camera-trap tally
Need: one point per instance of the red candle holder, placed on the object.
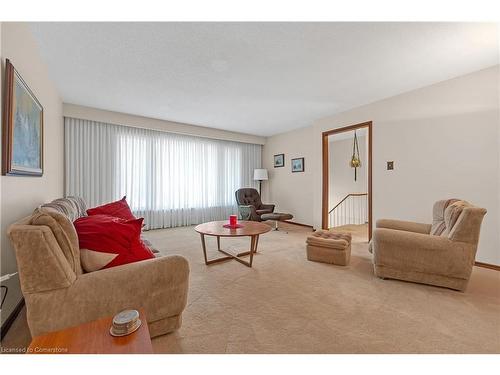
(233, 220)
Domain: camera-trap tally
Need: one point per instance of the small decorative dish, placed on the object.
(233, 226)
(125, 322)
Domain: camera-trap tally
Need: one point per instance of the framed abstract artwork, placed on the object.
(298, 165)
(279, 160)
(22, 129)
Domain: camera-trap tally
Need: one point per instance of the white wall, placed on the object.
(100, 115)
(20, 195)
(291, 192)
(443, 140)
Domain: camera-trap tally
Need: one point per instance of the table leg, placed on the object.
(204, 247)
(253, 247)
(218, 243)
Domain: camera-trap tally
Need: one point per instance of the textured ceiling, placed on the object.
(257, 78)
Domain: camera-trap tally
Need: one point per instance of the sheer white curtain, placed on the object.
(169, 179)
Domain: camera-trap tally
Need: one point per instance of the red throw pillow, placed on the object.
(119, 209)
(106, 241)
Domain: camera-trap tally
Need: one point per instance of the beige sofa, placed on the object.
(440, 254)
(59, 294)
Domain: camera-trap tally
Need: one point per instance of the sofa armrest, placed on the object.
(408, 226)
(267, 207)
(159, 286)
(422, 253)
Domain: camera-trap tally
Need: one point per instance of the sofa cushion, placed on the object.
(71, 207)
(438, 224)
(468, 225)
(451, 215)
(64, 233)
(106, 241)
(118, 209)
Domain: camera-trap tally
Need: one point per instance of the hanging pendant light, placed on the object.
(355, 160)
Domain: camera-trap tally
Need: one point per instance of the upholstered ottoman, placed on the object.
(329, 247)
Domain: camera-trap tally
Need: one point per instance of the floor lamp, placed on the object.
(260, 175)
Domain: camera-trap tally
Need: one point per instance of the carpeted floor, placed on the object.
(286, 304)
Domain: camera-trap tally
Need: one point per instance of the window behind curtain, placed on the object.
(169, 179)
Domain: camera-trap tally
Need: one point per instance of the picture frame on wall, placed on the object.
(279, 160)
(297, 165)
(22, 127)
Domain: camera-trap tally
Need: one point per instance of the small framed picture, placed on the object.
(279, 160)
(298, 165)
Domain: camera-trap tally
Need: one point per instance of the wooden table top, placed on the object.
(94, 338)
(249, 228)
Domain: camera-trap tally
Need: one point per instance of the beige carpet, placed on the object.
(286, 304)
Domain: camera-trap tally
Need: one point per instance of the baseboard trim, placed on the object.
(487, 265)
(299, 224)
(12, 317)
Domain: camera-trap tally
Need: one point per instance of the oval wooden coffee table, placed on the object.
(251, 229)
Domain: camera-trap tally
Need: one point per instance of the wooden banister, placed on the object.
(347, 196)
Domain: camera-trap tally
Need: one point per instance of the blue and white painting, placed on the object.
(27, 131)
(298, 165)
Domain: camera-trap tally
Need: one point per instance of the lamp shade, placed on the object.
(260, 174)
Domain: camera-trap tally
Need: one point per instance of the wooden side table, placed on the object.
(93, 338)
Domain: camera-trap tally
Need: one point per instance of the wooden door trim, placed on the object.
(325, 135)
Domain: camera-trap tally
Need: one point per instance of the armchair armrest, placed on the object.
(422, 253)
(408, 226)
(158, 285)
(267, 207)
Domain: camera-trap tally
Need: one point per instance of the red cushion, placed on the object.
(119, 209)
(106, 241)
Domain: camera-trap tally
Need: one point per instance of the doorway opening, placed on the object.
(347, 180)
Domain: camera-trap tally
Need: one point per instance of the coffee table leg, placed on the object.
(204, 247)
(252, 249)
(253, 246)
(218, 243)
(217, 260)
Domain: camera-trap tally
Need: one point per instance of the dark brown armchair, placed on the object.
(250, 206)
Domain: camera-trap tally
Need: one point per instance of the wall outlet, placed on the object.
(390, 165)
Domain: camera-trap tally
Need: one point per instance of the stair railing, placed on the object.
(352, 209)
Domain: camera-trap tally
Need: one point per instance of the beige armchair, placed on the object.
(59, 295)
(440, 254)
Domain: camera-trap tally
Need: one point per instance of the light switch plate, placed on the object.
(390, 165)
